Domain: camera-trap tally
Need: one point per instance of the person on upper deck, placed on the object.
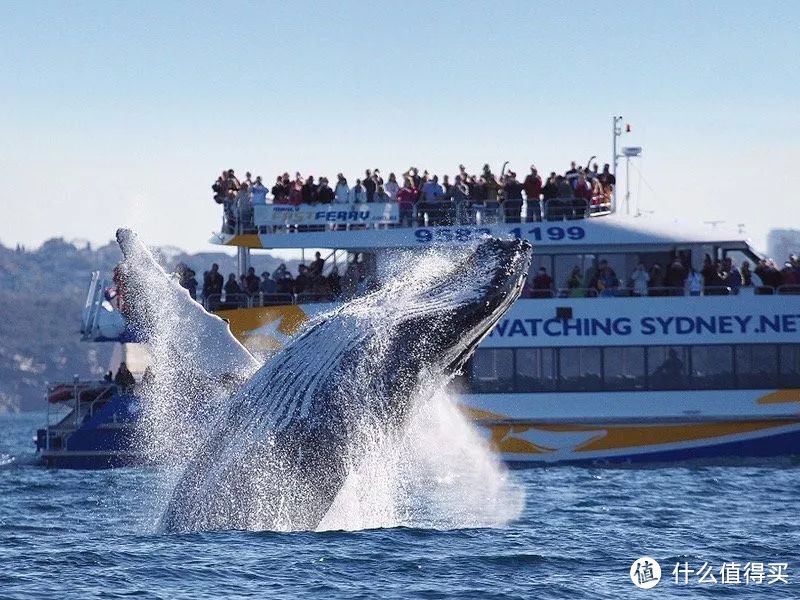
(309, 191)
(258, 192)
(512, 202)
(564, 190)
(392, 187)
(572, 175)
(381, 195)
(279, 192)
(358, 194)
(406, 198)
(432, 191)
(296, 191)
(369, 186)
(607, 180)
(325, 194)
(342, 191)
(533, 190)
(490, 184)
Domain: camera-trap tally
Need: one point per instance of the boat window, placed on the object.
(668, 367)
(581, 369)
(624, 368)
(712, 367)
(563, 265)
(790, 365)
(493, 370)
(757, 366)
(536, 369)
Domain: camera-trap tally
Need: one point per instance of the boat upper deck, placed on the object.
(558, 226)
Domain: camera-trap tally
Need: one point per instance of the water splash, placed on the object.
(441, 475)
(436, 472)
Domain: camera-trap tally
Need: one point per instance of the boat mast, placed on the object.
(243, 259)
(616, 131)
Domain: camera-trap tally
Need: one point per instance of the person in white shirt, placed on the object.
(258, 192)
(695, 283)
(341, 193)
(640, 278)
(392, 187)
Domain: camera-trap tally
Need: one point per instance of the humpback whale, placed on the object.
(278, 451)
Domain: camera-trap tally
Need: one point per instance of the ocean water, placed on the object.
(81, 534)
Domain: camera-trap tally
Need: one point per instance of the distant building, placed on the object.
(783, 242)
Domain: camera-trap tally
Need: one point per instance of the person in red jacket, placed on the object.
(407, 197)
(533, 190)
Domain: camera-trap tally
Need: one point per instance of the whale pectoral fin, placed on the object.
(157, 303)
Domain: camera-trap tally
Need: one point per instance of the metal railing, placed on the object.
(624, 292)
(233, 301)
(216, 302)
(237, 221)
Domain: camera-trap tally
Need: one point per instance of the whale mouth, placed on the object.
(511, 260)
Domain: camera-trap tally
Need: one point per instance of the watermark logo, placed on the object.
(645, 572)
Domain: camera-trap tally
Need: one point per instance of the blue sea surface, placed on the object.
(89, 534)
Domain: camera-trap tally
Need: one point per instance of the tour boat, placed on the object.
(569, 375)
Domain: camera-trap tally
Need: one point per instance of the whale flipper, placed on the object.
(155, 302)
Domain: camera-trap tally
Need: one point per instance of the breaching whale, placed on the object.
(277, 453)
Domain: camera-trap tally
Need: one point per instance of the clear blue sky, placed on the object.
(123, 113)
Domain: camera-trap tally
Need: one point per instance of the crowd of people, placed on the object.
(311, 280)
(676, 278)
(448, 200)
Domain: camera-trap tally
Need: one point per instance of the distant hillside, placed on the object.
(41, 297)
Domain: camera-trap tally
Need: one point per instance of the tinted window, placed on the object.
(493, 370)
(536, 369)
(712, 367)
(580, 369)
(790, 366)
(624, 368)
(757, 366)
(668, 367)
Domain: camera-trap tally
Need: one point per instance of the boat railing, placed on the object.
(216, 302)
(309, 218)
(627, 292)
(84, 396)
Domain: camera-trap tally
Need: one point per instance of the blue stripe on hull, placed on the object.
(782, 444)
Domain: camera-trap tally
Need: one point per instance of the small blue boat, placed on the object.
(97, 430)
